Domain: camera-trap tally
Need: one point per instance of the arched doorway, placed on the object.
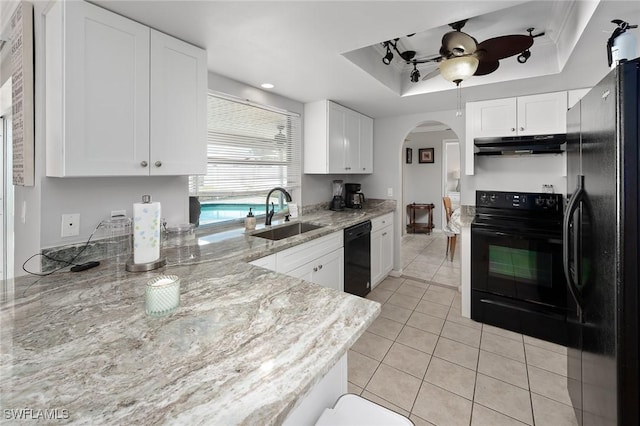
(423, 256)
(428, 182)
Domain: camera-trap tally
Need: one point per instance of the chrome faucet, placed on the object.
(269, 214)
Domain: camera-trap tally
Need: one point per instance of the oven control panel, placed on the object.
(519, 200)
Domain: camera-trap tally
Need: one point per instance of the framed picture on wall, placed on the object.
(409, 156)
(425, 155)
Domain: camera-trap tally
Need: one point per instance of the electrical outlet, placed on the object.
(70, 226)
(389, 192)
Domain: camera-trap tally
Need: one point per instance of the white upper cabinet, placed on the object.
(121, 99)
(521, 116)
(337, 140)
(525, 115)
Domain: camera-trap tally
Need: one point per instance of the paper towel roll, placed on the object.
(146, 232)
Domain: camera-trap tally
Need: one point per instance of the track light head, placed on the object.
(415, 74)
(524, 56)
(388, 57)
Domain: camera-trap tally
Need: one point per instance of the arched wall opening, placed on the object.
(430, 169)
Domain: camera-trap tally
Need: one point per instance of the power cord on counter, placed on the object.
(66, 262)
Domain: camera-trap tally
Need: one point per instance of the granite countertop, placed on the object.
(244, 346)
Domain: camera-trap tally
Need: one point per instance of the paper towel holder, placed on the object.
(131, 266)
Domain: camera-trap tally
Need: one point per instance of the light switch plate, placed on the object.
(70, 226)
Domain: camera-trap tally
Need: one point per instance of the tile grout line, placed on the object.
(533, 416)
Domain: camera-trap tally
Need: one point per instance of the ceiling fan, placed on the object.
(461, 56)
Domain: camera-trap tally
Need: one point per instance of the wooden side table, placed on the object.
(414, 227)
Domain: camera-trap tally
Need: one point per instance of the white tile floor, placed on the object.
(422, 359)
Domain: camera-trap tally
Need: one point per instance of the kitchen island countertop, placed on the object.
(244, 347)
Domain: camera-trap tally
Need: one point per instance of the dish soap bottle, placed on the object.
(250, 221)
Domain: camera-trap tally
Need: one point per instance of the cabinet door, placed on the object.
(493, 118)
(327, 270)
(366, 145)
(376, 258)
(386, 253)
(336, 134)
(542, 114)
(101, 126)
(351, 153)
(381, 254)
(330, 270)
(178, 107)
(304, 272)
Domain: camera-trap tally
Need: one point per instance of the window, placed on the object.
(251, 149)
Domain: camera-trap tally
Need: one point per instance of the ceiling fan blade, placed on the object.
(504, 46)
(486, 67)
(457, 43)
(431, 74)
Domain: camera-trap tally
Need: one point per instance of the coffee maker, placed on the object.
(354, 198)
(337, 202)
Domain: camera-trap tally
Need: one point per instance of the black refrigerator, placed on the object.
(600, 250)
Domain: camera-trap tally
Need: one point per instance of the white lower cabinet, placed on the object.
(327, 271)
(320, 261)
(381, 248)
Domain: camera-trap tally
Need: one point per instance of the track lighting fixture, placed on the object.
(415, 74)
(524, 56)
(388, 57)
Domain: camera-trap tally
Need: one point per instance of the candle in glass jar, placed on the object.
(162, 295)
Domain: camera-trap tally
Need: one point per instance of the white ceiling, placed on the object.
(299, 45)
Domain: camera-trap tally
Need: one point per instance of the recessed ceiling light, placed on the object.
(267, 86)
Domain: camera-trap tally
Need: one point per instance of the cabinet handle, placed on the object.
(144, 163)
(521, 128)
(347, 168)
(315, 269)
(158, 163)
(384, 233)
(513, 129)
(319, 266)
(364, 168)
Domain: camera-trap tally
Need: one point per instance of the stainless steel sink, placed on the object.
(286, 231)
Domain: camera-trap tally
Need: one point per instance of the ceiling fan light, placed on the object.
(458, 68)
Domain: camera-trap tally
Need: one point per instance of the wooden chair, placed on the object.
(451, 236)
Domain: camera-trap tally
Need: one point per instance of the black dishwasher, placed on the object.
(357, 259)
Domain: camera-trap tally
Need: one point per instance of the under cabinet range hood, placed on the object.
(514, 145)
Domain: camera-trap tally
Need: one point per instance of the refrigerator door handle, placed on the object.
(574, 203)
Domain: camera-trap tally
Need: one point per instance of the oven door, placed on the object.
(519, 264)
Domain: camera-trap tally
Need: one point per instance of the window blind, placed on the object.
(251, 149)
